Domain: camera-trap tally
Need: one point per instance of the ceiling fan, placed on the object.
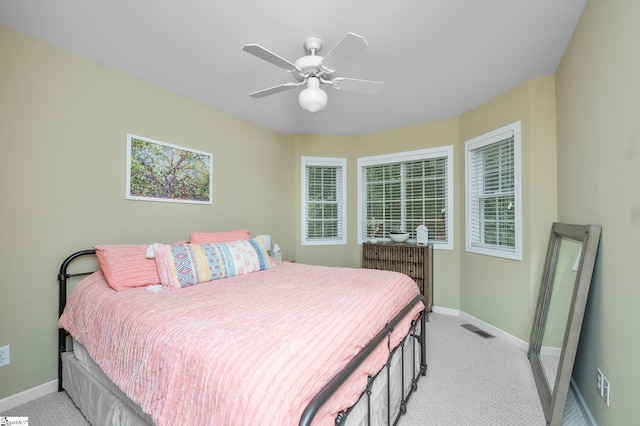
(313, 70)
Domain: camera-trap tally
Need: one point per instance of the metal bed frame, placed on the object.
(335, 383)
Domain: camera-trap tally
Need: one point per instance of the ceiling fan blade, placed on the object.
(367, 87)
(274, 89)
(262, 53)
(347, 48)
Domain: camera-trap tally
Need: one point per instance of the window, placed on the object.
(493, 204)
(404, 190)
(324, 193)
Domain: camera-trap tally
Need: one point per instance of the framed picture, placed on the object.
(160, 171)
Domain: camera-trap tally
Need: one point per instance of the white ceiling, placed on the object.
(439, 58)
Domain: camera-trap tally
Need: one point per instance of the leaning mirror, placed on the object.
(561, 304)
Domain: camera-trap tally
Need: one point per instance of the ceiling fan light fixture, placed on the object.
(313, 69)
(313, 98)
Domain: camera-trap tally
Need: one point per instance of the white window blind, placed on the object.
(402, 191)
(493, 199)
(324, 193)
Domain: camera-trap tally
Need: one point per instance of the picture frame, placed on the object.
(160, 171)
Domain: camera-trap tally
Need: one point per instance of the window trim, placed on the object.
(513, 129)
(340, 163)
(407, 156)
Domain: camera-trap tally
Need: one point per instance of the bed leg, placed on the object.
(423, 342)
(61, 349)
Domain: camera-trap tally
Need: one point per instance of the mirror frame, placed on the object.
(553, 402)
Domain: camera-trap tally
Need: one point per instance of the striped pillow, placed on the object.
(125, 266)
(184, 265)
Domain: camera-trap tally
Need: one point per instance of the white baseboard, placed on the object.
(446, 311)
(28, 395)
(583, 405)
(551, 351)
(484, 326)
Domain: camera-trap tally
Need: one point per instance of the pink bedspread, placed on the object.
(247, 350)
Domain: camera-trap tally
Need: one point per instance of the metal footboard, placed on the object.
(406, 350)
(338, 380)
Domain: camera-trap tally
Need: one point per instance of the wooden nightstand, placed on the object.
(411, 259)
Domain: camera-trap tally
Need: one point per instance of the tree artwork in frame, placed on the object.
(159, 171)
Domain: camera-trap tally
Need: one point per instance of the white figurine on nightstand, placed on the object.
(422, 235)
(277, 253)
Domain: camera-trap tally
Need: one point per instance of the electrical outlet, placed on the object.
(5, 355)
(600, 382)
(604, 387)
(606, 390)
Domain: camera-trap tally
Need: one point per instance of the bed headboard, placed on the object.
(63, 276)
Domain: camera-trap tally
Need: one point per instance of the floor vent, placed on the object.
(476, 330)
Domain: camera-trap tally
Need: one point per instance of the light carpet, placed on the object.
(470, 381)
(476, 381)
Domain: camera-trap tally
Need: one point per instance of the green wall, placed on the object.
(466, 281)
(598, 104)
(63, 127)
(500, 291)
(63, 124)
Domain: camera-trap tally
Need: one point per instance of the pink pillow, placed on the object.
(126, 266)
(219, 237)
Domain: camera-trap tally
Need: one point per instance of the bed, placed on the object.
(253, 348)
